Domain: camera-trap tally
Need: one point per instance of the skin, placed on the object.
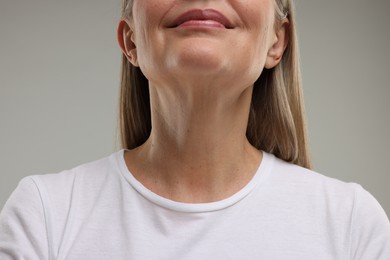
(201, 80)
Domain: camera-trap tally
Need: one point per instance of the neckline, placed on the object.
(261, 174)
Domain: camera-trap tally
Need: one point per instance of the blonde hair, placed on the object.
(276, 123)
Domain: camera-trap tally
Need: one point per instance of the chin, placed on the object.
(199, 58)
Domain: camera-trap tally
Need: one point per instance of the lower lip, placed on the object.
(202, 24)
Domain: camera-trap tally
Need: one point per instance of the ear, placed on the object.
(279, 45)
(126, 41)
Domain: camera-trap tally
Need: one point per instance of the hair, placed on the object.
(276, 122)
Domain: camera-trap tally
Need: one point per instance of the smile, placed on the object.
(202, 18)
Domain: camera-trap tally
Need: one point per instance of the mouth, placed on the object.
(198, 17)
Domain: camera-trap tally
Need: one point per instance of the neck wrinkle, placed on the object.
(197, 150)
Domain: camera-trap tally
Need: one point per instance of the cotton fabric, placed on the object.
(100, 211)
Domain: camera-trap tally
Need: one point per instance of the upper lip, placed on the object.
(205, 14)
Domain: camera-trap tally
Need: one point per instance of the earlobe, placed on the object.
(126, 42)
(278, 47)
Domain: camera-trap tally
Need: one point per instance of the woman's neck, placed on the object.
(197, 150)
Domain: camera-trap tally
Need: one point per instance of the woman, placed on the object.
(215, 163)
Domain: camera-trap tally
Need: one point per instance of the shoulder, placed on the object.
(297, 177)
(23, 224)
(87, 175)
(316, 193)
(36, 214)
(345, 208)
(55, 193)
(370, 228)
(60, 186)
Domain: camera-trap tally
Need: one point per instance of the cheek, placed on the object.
(254, 48)
(258, 17)
(149, 56)
(147, 14)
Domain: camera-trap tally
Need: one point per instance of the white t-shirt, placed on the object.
(100, 211)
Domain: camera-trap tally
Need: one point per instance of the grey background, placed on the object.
(59, 77)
